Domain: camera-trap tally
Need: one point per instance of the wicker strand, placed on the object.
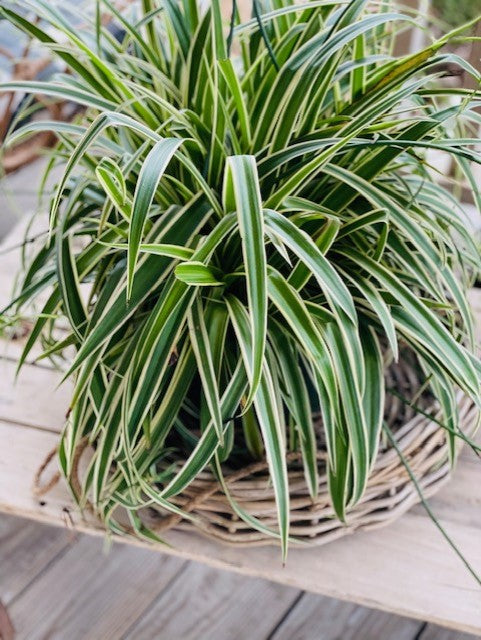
(40, 489)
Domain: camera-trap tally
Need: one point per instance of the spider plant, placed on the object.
(252, 208)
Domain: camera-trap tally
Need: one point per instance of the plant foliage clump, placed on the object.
(252, 211)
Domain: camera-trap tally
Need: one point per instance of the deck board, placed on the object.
(84, 594)
(316, 616)
(53, 584)
(218, 605)
(25, 549)
(436, 633)
(34, 398)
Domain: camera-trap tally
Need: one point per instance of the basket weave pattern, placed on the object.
(389, 493)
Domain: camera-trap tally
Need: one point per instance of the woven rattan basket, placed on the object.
(389, 494)
(390, 491)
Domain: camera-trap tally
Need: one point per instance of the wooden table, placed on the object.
(405, 568)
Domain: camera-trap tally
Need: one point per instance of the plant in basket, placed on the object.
(264, 280)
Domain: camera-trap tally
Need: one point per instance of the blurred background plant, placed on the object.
(456, 12)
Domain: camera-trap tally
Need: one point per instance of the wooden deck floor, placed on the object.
(58, 585)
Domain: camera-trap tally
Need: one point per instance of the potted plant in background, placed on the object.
(275, 341)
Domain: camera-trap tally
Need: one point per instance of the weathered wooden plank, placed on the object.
(11, 348)
(25, 549)
(420, 576)
(198, 602)
(23, 450)
(460, 501)
(19, 193)
(89, 594)
(319, 617)
(219, 605)
(433, 632)
(11, 253)
(35, 399)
